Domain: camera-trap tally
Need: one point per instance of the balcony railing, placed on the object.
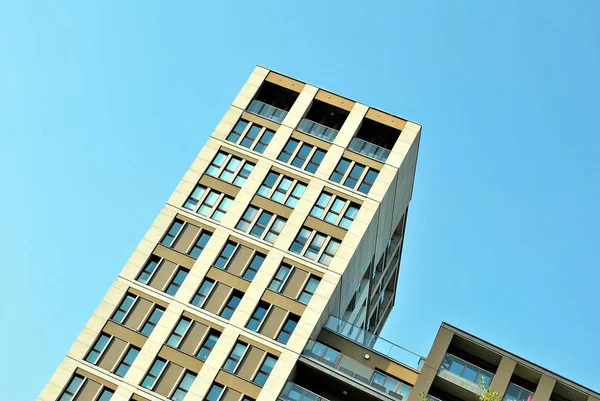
(517, 393)
(465, 370)
(375, 343)
(351, 367)
(369, 149)
(317, 130)
(266, 110)
(432, 398)
(293, 392)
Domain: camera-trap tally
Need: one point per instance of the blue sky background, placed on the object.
(104, 105)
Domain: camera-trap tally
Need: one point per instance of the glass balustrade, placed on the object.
(357, 370)
(466, 370)
(293, 392)
(266, 110)
(373, 342)
(517, 393)
(317, 130)
(369, 149)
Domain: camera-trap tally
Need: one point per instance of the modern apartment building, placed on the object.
(293, 211)
(272, 268)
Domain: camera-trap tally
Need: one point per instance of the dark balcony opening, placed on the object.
(378, 134)
(472, 359)
(562, 392)
(276, 96)
(529, 384)
(474, 354)
(327, 115)
(438, 394)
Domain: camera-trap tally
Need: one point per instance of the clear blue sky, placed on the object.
(104, 105)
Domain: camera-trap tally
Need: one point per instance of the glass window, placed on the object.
(230, 168)
(354, 176)
(127, 361)
(124, 308)
(170, 236)
(72, 388)
(214, 394)
(184, 386)
(349, 216)
(282, 189)
(288, 150)
(203, 292)
(268, 184)
(264, 141)
(179, 332)
(296, 194)
(329, 252)
(315, 161)
(258, 316)
(209, 202)
(309, 289)
(280, 278)
(216, 164)
(300, 240)
(177, 281)
(222, 208)
(233, 302)
(97, 349)
(237, 131)
(200, 244)
(300, 159)
(275, 229)
(105, 395)
(251, 136)
(261, 224)
(208, 345)
(243, 175)
(148, 270)
(288, 328)
(155, 371)
(340, 170)
(368, 181)
(247, 218)
(253, 266)
(335, 210)
(225, 255)
(195, 197)
(265, 370)
(235, 357)
(321, 204)
(315, 246)
(152, 320)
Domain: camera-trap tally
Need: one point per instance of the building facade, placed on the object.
(293, 211)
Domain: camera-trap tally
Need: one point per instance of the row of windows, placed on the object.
(261, 224)
(76, 386)
(208, 202)
(315, 245)
(303, 156)
(153, 376)
(128, 304)
(236, 356)
(96, 355)
(217, 392)
(175, 234)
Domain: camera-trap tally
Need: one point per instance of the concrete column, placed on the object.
(590, 398)
(544, 389)
(503, 374)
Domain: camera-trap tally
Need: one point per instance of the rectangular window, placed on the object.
(72, 388)
(265, 370)
(98, 348)
(232, 303)
(251, 136)
(148, 270)
(194, 198)
(288, 328)
(124, 308)
(258, 316)
(354, 175)
(280, 278)
(226, 255)
(314, 245)
(235, 357)
(177, 280)
(200, 244)
(127, 361)
(179, 332)
(309, 289)
(281, 188)
(215, 392)
(230, 168)
(171, 235)
(335, 210)
(302, 155)
(262, 224)
(105, 395)
(184, 386)
(203, 292)
(154, 373)
(212, 204)
(152, 320)
(252, 268)
(208, 345)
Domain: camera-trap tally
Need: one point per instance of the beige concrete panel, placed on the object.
(231, 395)
(351, 125)
(228, 279)
(423, 383)
(386, 119)
(185, 238)
(239, 384)
(124, 333)
(335, 100)
(300, 106)
(227, 123)
(328, 164)
(278, 142)
(285, 81)
(284, 302)
(544, 388)
(217, 299)
(503, 374)
(248, 91)
(250, 363)
(295, 283)
(273, 322)
(138, 314)
(89, 391)
(163, 275)
(239, 261)
(180, 358)
(113, 354)
(439, 348)
(194, 337)
(169, 379)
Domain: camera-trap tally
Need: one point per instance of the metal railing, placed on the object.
(373, 342)
(266, 110)
(517, 393)
(357, 370)
(461, 368)
(369, 149)
(317, 130)
(293, 392)
(432, 398)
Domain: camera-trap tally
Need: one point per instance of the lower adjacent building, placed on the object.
(271, 270)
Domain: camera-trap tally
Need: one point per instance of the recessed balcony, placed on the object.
(352, 368)
(267, 111)
(374, 140)
(464, 374)
(517, 393)
(369, 149)
(272, 101)
(323, 121)
(293, 392)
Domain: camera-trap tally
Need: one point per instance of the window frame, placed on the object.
(125, 312)
(237, 362)
(216, 170)
(321, 210)
(210, 332)
(122, 361)
(310, 245)
(211, 200)
(178, 387)
(267, 308)
(243, 135)
(148, 322)
(294, 155)
(221, 392)
(360, 180)
(156, 379)
(208, 293)
(285, 279)
(305, 291)
(269, 192)
(100, 352)
(266, 229)
(289, 318)
(151, 273)
(263, 372)
(234, 293)
(72, 393)
(180, 337)
(175, 236)
(172, 283)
